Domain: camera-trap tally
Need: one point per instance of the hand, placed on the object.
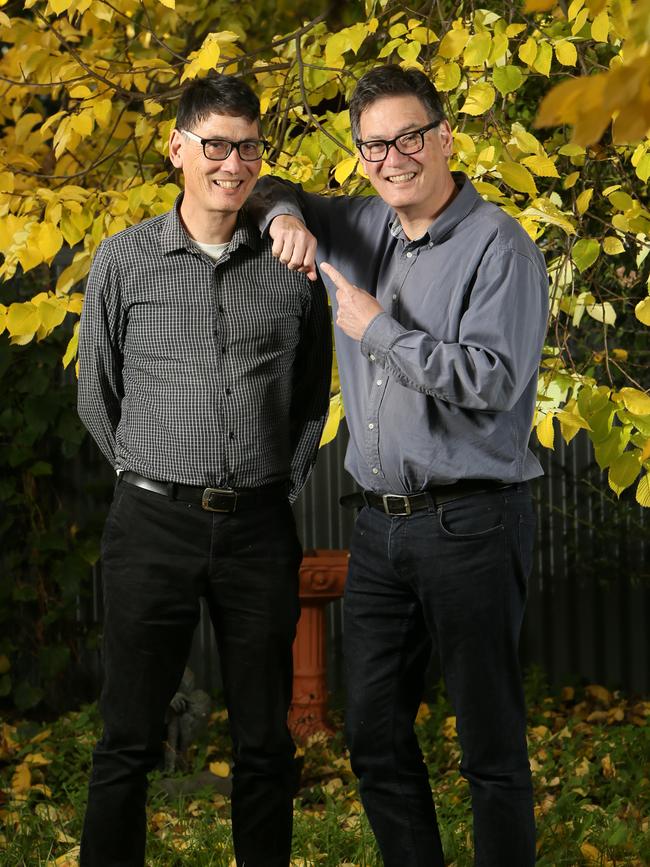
(294, 245)
(178, 703)
(357, 308)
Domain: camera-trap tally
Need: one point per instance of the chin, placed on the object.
(398, 198)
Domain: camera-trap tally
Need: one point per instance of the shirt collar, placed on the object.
(463, 203)
(174, 237)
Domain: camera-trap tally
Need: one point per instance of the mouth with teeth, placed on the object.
(227, 184)
(401, 179)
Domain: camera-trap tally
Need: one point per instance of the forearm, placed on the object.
(100, 389)
(496, 353)
(310, 397)
(97, 423)
(470, 377)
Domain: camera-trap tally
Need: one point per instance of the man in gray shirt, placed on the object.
(441, 303)
(204, 370)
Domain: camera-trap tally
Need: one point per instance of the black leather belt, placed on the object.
(405, 504)
(210, 499)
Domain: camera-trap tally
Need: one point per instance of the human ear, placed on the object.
(175, 145)
(446, 138)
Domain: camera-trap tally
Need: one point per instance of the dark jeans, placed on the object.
(452, 579)
(159, 557)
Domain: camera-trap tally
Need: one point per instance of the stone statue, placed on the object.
(186, 719)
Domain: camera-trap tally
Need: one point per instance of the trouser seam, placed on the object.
(398, 774)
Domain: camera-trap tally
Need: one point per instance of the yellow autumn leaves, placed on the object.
(620, 94)
(84, 139)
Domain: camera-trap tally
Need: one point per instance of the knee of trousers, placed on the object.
(492, 781)
(380, 750)
(265, 764)
(115, 763)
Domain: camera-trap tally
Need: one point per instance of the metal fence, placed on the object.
(589, 593)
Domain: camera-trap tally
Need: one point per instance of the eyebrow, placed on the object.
(410, 127)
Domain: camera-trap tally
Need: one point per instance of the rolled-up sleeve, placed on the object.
(500, 338)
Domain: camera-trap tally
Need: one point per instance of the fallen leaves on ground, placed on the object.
(589, 751)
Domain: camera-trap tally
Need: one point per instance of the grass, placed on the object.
(589, 751)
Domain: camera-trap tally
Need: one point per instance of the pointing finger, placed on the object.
(337, 279)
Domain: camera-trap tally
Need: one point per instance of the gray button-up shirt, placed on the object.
(442, 386)
(203, 372)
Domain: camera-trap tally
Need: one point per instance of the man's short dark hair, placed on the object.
(216, 94)
(392, 80)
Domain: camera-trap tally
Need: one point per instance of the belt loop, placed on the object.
(171, 490)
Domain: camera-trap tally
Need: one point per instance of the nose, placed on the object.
(232, 162)
(393, 157)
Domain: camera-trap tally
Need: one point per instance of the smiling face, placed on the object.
(417, 186)
(215, 190)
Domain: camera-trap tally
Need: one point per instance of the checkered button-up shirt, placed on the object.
(202, 372)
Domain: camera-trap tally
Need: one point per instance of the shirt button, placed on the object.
(223, 350)
(228, 391)
(372, 357)
(394, 297)
(379, 381)
(232, 435)
(371, 426)
(375, 471)
(220, 308)
(409, 255)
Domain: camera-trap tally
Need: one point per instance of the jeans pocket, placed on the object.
(526, 541)
(469, 519)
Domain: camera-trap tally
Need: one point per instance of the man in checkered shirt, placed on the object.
(204, 374)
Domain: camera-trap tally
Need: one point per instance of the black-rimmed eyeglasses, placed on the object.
(220, 148)
(408, 143)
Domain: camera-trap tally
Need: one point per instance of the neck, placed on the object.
(415, 223)
(213, 227)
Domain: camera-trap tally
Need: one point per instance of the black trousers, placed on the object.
(453, 580)
(159, 556)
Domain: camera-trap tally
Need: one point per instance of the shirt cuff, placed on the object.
(379, 336)
(280, 210)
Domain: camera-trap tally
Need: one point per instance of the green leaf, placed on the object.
(53, 660)
(41, 468)
(585, 252)
(507, 79)
(27, 696)
(607, 451)
(600, 421)
(624, 471)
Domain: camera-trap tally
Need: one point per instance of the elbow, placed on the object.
(491, 386)
(498, 394)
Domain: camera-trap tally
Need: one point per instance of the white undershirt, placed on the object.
(215, 251)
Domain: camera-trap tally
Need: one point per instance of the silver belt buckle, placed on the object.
(405, 505)
(208, 493)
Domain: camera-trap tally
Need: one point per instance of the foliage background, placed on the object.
(88, 99)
